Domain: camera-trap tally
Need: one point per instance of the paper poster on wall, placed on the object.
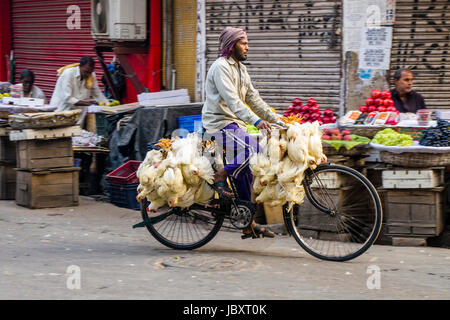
(375, 51)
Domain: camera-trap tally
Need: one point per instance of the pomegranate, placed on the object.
(297, 102)
(378, 101)
(311, 102)
(385, 94)
(391, 109)
(375, 94)
(364, 109)
(388, 102)
(369, 101)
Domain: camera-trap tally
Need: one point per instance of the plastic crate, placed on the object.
(190, 123)
(126, 173)
(124, 195)
(101, 124)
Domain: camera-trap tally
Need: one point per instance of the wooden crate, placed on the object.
(412, 178)
(7, 149)
(47, 188)
(7, 181)
(415, 213)
(33, 134)
(44, 154)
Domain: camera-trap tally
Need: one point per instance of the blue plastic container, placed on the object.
(124, 195)
(190, 123)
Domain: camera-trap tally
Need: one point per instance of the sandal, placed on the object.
(257, 232)
(222, 188)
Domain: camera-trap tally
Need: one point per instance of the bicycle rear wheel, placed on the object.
(341, 216)
(184, 229)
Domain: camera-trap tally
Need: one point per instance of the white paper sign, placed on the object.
(375, 51)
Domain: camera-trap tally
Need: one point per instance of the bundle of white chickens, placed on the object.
(279, 170)
(177, 174)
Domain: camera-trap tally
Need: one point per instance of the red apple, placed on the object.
(363, 108)
(297, 102)
(375, 94)
(348, 138)
(385, 94)
(335, 132)
(305, 109)
(388, 102)
(326, 120)
(333, 119)
(381, 109)
(369, 101)
(290, 108)
(292, 113)
(345, 132)
(286, 114)
(372, 108)
(297, 109)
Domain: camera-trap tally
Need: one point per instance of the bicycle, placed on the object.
(343, 221)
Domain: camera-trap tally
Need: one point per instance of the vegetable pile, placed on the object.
(389, 137)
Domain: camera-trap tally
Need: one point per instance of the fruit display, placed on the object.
(389, 137)
(436, 136)
(336, 134)
(310, 112)
(110, 103)
(380, 101)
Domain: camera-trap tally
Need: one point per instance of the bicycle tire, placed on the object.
(314, 229)
(177, 226)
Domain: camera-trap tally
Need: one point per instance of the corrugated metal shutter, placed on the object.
(421, 42)
(295, 46)
(184, 44)
(42, 41)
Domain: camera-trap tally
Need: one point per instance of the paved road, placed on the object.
(44, 250)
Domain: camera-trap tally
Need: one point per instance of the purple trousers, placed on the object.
(239, 146)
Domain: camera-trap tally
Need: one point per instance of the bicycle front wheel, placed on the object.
(184, 229)
(341, 216)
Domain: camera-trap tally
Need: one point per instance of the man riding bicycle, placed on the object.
(224, 113)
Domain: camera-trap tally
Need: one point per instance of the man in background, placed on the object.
(406, 99)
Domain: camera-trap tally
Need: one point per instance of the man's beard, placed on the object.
(240, 57)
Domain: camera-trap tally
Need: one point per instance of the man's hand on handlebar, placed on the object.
(264, 125)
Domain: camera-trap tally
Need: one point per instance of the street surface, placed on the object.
(92, 252)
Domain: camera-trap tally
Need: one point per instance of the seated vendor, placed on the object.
(29, 90)
(77, 86)
(406, 99)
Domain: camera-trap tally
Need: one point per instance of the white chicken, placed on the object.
(279, 170)
(177, 175)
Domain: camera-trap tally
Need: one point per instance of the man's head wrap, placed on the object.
(228, 39)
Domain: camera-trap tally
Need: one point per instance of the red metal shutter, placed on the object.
(43, 41)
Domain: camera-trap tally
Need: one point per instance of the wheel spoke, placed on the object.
(342, 222)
